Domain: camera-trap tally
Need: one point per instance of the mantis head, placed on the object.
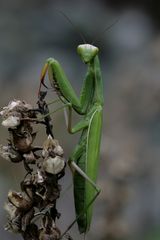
(87, 52)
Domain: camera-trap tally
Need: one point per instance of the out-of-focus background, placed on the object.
(128, 207)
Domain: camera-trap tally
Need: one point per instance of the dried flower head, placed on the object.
(40, 188)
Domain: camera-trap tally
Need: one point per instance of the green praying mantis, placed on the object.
(84, 160)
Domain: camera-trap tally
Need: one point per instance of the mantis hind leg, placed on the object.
(77, 165)
(83, 212)
(82, 208)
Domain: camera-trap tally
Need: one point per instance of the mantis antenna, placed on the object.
(105, 30)
(73, 25)
(82, 35)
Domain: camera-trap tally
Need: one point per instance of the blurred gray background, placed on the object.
(30, 32)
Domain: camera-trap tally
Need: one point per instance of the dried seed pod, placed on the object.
(22, 141)
(16, 105)
(12, 121)
(58, 150)
(40, 177)
(10, 154)
(53, 165)
(20, 200)
(31, 232)
(49, 230)
(29, 157)
(26, 219)
(11, 209)
(18, 219)
(14, 218)
(11, 106)
(51, 147)
(15, 112)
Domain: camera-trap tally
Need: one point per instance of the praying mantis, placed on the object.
(84, 160)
